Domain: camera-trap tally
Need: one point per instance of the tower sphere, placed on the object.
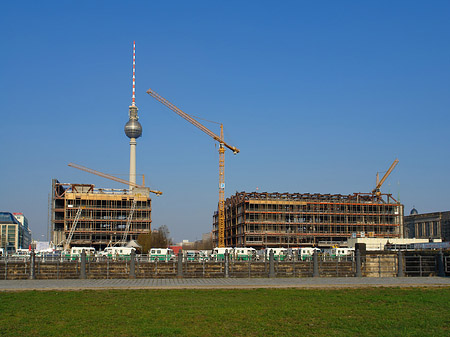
(133, 129)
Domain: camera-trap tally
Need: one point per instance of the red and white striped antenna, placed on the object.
(133, 100)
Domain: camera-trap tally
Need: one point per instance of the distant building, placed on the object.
(434, 225)
(14, 234)
(286, 220)
(207, 237)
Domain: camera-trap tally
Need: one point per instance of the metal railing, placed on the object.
(143, 266)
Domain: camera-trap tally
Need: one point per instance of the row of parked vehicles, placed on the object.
(217, 254)
(280, 254)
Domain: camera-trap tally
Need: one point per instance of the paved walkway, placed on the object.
(225, 283)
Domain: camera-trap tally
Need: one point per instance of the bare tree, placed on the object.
(158, 238)
(161, 237)
(145, 240)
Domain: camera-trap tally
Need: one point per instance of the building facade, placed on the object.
(83, 215)
(14, 234)
(262, 220)
(434, 225)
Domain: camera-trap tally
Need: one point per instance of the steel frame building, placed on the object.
(262, 220)
(104, 214)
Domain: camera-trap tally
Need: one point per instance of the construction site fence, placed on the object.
(143, 266)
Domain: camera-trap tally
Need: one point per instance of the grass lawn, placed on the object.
(255, 312)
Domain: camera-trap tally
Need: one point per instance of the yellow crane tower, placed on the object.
(222, 145)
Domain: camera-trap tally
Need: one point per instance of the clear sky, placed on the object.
(317, 95)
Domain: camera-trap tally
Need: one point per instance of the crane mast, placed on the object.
(221, 223)
(222, 145)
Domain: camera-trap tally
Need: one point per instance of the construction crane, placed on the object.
(222, 145)
(108, 176)
(376, 190)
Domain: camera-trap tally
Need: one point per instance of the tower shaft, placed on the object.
(132, 179)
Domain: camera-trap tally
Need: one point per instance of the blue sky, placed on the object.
(318, 96)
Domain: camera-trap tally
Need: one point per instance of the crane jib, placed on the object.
(191, 120)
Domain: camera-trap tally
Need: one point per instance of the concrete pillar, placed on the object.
(180, 264)
(32, 265)
(133, 264)
(316, 264)
(227, 263)
(358, 264)
(83, 265)
(400, 272)
(271, 264)
(440, 264)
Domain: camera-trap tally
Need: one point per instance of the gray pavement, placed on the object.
(224, 283)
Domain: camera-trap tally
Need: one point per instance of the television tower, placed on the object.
(133, 129)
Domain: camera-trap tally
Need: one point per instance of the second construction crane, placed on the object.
(376, 191)
(222, 145)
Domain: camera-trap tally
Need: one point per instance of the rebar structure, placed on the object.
(262, 220)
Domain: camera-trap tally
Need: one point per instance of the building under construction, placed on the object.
(83, 215)
(262, 220)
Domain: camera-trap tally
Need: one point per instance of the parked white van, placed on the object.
(244, 254)
(307, 253)
(75, 252)
(161, 254)
(117, 252)
(339, 252)
(279, 254)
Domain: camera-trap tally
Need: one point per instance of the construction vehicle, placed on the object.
(222, 145)
(376, 191)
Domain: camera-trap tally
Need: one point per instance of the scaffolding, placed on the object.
(105, 219)
(263, 220)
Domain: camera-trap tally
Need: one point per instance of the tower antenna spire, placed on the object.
(133, 100)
